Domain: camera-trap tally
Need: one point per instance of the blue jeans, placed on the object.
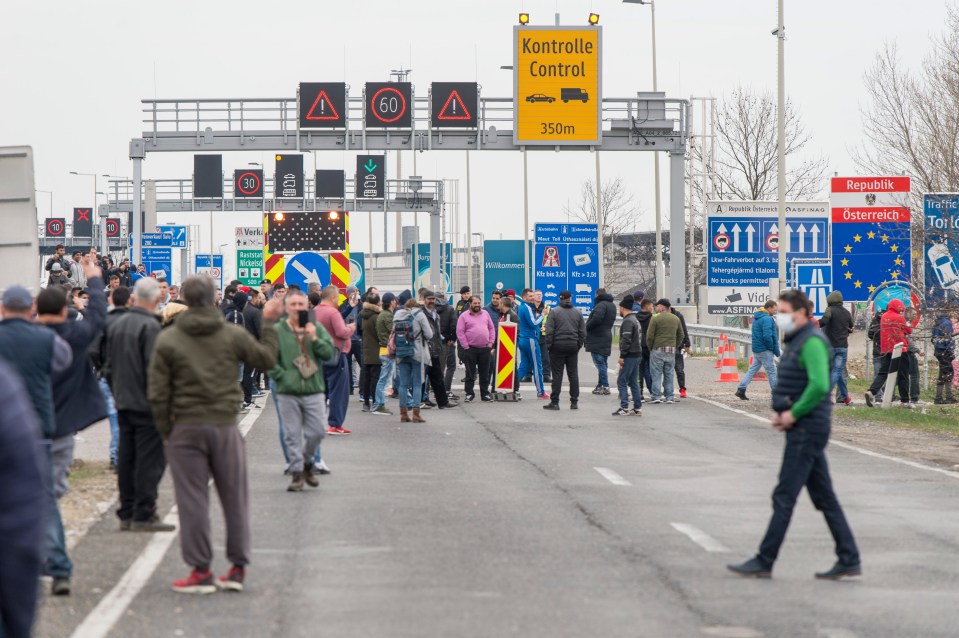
(839, 358)
(386, 378)
(767, 361)
(58, 563)
(804, 463)
(114, 423)
(628, 381)
(337, 377)
(662, 366)
(279, 423)
(531, 361)
(409, 371)
(601, 361)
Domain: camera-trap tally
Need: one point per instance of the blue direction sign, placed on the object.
(178, 234)
(157, 240)
(743, 249)
(816, 281)
(566, 257)
(157, 261)
(304, 269)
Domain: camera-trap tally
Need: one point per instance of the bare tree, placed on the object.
(911, 124)
(620, 214)
(745, 162)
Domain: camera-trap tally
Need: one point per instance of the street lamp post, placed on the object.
(780, 34)
(660, 287)
(50, 193)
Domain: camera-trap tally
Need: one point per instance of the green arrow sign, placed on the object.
(369, 166)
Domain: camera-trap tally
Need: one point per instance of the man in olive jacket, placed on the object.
(665, 337)
(301, 401)
(195, 399)
(384, 327)
(599, 337)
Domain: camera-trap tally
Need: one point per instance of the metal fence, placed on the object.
(705, 339)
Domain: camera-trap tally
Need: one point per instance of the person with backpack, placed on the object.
(409, 338)
(383, 328)
(836, 324)
(369, 317)
(945, 352)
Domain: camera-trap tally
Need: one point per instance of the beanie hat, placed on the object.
(388, 298)
(627, 302)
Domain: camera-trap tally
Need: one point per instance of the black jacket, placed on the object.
(97, 349)
(565, 328)
(873, 333)
(836, 323)
(643, 318)
(599, 325)
(447, 320)
(631, 338)
(77, 400)
(682, 320)
(129, 346)
(252, 319)
(436, 344)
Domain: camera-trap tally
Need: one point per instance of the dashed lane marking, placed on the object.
(112, 606)
(700, 537)
(612, 476)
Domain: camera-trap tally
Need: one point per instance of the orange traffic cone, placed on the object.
(730, 373)
(720, 350)
(759, 376)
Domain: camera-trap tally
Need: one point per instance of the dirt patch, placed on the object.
(93, 491)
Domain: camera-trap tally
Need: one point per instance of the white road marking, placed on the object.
(612, 476)
(848, 446)
(731, 632)
(111, 607)
(700, 537)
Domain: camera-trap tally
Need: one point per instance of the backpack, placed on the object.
(402, 339)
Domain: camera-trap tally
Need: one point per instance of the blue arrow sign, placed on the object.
(178, 234)
(816, 281)
(304, 269)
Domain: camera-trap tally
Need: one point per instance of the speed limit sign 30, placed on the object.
(389, 104)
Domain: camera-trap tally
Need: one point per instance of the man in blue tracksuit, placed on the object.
(529, 332)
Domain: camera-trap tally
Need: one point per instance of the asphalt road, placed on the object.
(506, 520)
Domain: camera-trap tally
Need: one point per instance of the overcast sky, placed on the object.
(73, 75)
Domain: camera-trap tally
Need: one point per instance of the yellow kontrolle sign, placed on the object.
(557, 95)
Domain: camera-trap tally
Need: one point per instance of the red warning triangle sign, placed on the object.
(322, 109)
(454, 109)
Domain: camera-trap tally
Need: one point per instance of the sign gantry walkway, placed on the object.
(647, 122)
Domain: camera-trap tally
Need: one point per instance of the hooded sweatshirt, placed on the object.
(836, 322)
(421, 332)
(765, 337)
(893, 327)
(369, 316)
(192, 378)
(599, 325)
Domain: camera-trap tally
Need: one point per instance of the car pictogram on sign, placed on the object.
(540, 97)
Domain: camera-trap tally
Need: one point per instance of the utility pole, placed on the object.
(781, 146)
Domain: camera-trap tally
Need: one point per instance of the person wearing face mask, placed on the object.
(803, 410)
(765, 347)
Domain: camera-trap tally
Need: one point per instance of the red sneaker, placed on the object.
(847, 401)
(682, 392)
(542, 396)
(232, 580)
(196, 583)
(339, 431)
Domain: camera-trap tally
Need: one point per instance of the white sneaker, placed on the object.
(322, 468)
(655, 401)
(670, 401)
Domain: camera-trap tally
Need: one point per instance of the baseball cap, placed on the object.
(464, 290)
(565, 294)
(429, 294)
(510, 292)
(56, 267)
(266, 281)
(639, 294)
(17, 298)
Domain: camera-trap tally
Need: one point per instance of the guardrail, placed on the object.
(705, 339)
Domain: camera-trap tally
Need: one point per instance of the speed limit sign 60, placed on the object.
(389, 104)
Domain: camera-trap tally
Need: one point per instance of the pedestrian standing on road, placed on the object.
(599, 337)
(893, 330)
(765, 344)
(543, 309)
(437, 353)
(446, 318)
(59, 277)
(128, 347)
(22, 509)
(350, 310)
(119, 303)
(59, 257)
(75, 271)
(836, 324)
(530, 361)
(335, 371)
(38, 354)
(943, 340)
(492, 308)
(665, 337)
(802, 409)
(194, 396)
(681, 351)
(382, 330)
(565, 336)
(476, 335)
(410, 335)
(371, 353)
(910, 360)
(300, 388)
(252, 320)
(630, 355)
(644, 316)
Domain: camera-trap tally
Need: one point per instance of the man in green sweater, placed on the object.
(803, 410)
(663, 336)
(195, 400)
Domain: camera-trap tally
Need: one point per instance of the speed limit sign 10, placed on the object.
(389, 104)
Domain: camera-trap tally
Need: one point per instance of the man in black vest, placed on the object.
(802, 409)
